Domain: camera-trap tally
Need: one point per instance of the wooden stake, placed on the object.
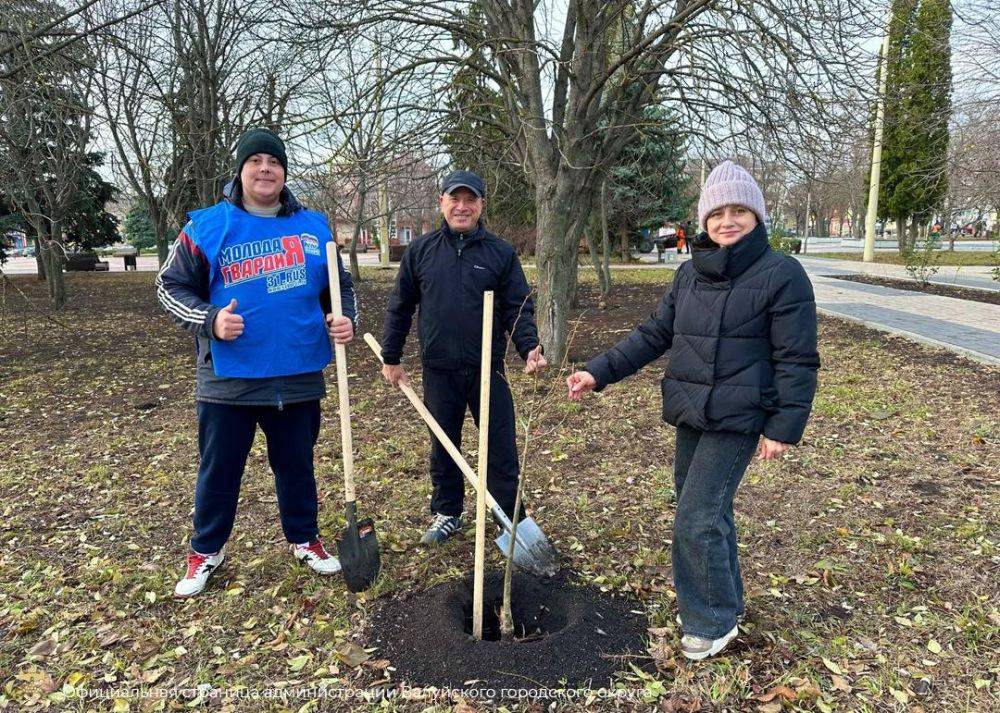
(485, 366)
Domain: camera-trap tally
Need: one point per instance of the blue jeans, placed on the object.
(225, 435)
(708, 468)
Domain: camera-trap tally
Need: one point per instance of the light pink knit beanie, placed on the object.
(729, 184)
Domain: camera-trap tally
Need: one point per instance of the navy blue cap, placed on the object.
(463, 179)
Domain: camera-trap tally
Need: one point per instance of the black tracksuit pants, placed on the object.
(225, 435)
(447, 394)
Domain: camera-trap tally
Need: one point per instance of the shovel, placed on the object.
(532, 550)
(357, 547)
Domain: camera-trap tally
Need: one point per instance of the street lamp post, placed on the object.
(876, 174)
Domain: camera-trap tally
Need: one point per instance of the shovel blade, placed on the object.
(359, 555)
(532, 550)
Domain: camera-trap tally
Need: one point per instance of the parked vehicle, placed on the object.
(666, 238)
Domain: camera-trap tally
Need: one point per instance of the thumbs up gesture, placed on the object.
(228, 325)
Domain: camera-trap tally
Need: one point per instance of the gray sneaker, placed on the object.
(697, 648)
(443, 527)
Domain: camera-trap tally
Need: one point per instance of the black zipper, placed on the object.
(461, 286)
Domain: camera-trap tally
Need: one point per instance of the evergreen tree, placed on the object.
(648, 186)
(929, 108)
(44, 130)
(89, 225)
(476, 143)
(896, 141)
(917, 110)
(138, 226)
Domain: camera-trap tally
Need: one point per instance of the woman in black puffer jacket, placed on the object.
(740, 321)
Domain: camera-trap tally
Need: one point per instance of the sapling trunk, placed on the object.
(506, 615)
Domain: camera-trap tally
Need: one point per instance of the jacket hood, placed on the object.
(718, 263)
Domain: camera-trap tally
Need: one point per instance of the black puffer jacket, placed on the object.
(741, 326)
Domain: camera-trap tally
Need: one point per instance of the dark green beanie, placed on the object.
(257, 141)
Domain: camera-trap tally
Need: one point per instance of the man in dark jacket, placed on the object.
(446, 272)
(740, 324)
(248, 277)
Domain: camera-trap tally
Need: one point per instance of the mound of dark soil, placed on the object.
(566, 634)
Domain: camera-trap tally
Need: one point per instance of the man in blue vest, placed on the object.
(446, 272)
(248, 277)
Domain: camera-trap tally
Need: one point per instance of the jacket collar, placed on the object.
(717, 263)
(474, 234)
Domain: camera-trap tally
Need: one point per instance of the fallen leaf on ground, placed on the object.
(351, 654)
(841, 684)
(783, 692)
(833, 667)
(43, 648)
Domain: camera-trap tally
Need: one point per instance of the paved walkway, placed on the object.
(963, 326)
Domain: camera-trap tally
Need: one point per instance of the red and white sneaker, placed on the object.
(316, 557)
(199, 568)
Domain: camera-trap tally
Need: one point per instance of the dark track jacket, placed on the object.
(741, 326)
(446, 274)
(182, 287)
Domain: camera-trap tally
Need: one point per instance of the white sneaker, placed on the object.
(199, 568)
(697, 648)
(316, 557)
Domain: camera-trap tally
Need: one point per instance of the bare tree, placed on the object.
(363, 128)
(573, 99)
(179, 83)
(45, 129)
(974, 165)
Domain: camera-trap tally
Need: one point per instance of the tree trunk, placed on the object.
(901, 234)
(605, 268)
(595, 258)
(574, 281)
(39, 258)
(56, 280)
(561, 220)
(623, 244)
(358, 218)
(914, 229)
(52, 258)
(162, 238)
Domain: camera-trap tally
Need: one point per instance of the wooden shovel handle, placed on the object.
(340, 356)
(485, 369)
(436, 429)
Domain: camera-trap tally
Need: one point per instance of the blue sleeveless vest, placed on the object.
(275, 269)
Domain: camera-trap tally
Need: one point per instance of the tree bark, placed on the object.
(52, 258)
(595, 259)
(574, 281)
(559, 231)
(605, 246)
(358, 218)
(39, 258)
